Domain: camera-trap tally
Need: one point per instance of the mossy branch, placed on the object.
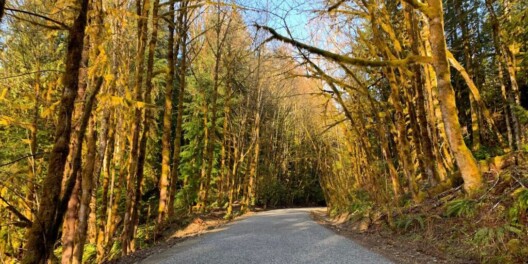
(411, 59)
(417, 4)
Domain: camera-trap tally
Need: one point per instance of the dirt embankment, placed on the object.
(451, 227)
(400, 249)
(191, 226)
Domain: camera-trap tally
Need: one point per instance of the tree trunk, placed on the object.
(105, 154)
(444, 161)
(253, 166)
(418, 81)
(446, 95)
(86, 195)
(507, 108)
(475, 97)
(147, 117)
(183, 33)
(506, 61)
(225, 151)
(43, 234)
(2, 5)
(131, 181)
(167, 125)
(102, 166)
(33, 146)
(72, 170)
(117, 181)
(209, 143)
(68, 229)
(475, 125)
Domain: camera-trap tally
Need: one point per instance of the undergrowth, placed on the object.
(491, 227)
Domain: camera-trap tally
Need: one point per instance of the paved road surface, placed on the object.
(279, 236)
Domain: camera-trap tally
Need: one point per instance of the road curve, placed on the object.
(279, 236)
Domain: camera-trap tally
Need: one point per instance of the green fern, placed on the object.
(407, 222)
(488, 237)
(516, 229)
(521, 113)
(494, 236)
(520, 205)
(90, 253)
(522, 199)
(461, 208)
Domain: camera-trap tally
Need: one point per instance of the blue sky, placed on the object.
(297, 14)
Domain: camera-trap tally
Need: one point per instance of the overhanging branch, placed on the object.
(345, 59)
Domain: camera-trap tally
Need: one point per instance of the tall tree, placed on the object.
(167, 123)
(45, 229)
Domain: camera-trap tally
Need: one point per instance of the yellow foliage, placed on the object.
(3, 121)
(117, 101)
(140, 104)
(50, 110)
(3, 94)
(8, 121)
(109, 77)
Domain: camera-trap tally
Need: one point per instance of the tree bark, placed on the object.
(33, 146)
(147, 117)
(167, 125)
(2, 5)
(464, 159)
(69, 226)
(133, 162)
(44, 231)
(253, 166)
(86, 195)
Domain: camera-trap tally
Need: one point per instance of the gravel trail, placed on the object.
(279, 236)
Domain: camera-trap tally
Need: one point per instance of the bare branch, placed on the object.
(62, 25)
(25, 221)
(28, 73)
(51, 27)
(333, 125)
(336, 5)
(21, 158)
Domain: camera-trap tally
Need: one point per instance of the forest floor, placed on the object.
(396, 247)
(190, 226)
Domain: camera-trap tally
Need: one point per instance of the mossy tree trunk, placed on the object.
(44, 231)
(446, 95)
